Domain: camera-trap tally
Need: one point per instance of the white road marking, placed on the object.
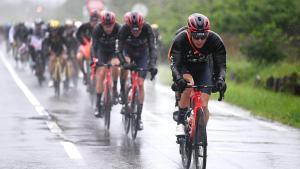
(71, 150)
(69, 147)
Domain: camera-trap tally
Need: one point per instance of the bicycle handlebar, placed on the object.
(134, 67)
(198, 87)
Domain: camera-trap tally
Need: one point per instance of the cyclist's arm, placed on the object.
(96, 33)
(123, 33)
(80, 33)
(152, 50)
(219, 58)
(175, 57)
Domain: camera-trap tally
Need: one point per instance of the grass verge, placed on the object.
(281, 107)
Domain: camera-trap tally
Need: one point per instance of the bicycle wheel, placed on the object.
(200, 142)
(107, 108)
(126, 111)
(56, 88)
(39, 71)
(185, 148)
(134, 116)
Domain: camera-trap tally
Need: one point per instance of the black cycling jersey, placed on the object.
(106, 42)
(84, 31)
(21, 32)
(184, 54)
(55, 43)
(145, 41)
(71, 41)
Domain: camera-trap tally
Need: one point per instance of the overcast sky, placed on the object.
(52, 3)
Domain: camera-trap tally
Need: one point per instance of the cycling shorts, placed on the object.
(140, 58)
(201, 73)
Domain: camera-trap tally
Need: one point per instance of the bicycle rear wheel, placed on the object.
(107, 109)
(200, 142)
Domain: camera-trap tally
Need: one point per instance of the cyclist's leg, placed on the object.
(142, 62)
(51, 64)
(184, 103)
(100, 75)
(123, 79)
(80, 62)
(204, 77)
(115, 74)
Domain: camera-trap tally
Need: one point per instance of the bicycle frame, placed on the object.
(134, 83)
(196, 104)
(107, 82)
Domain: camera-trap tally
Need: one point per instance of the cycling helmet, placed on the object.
(94, 16)
(38, 21)
(54, 24)
(69, 22)
(198, 23)
(154, 26)
(134, 20)
(108, 18)
(198, 26)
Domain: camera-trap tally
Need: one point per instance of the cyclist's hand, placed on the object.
(221, 85)
(181, 84)
(128, 66)
(153, 72)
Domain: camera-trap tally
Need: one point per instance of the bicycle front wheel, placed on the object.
(127, 110)
(107, 108)
(185, 149)
(200, 142)
(134, 115)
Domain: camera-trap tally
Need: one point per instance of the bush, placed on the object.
(265, 45)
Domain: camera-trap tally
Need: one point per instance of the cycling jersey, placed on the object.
(144, 42)
(21, 33)
(85, 31)
(103, 43)
(184, 56)
(56, 43)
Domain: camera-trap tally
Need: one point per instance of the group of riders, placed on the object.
(197, 55)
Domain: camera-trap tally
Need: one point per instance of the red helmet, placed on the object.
(94, 16)
(198, 23)
(134, 20)
(108, 18)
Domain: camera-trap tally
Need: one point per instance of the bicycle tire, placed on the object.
(134, 115)
(126, 113)
(56, 80)
(107, 108)
(200, 142)
(185, 148)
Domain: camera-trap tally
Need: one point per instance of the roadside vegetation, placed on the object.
(262, 40)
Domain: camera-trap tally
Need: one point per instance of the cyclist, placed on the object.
(104, 47)
(20, 36)
(36, 39)
(84, 35)
(54, 46)
(196, 55)
(136, 44)
(69, 35)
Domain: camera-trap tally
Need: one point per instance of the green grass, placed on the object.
(281, 107)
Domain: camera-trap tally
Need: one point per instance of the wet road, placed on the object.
(39, 131)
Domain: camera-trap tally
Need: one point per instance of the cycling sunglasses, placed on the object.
(199, 35)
